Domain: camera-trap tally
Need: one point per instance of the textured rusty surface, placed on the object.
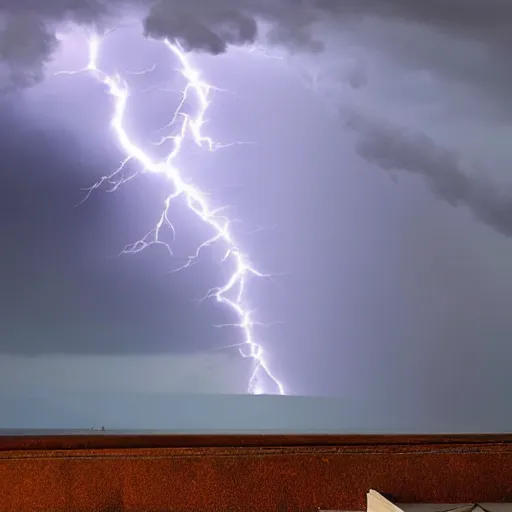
(247, 473)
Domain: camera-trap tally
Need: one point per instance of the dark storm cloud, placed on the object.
(489, 20)
(465, 43)
(26, 43)
(198, 24)
(80, 10)
(205, 25)
(213, 26)
(395, 149)
(28, 34)
(201, 25)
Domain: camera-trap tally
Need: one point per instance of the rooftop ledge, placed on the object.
(260, 473)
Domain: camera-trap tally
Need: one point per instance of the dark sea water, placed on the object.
(64, 432)
(154, 413)
(79, 432)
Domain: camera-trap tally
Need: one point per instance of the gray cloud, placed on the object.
(208, 26)
(356, 76)
(81, 11)
(26, 43)
(27, 34)
(487, 19)
(398, 150)
(27, 38)
(214, 26)
(201, 24)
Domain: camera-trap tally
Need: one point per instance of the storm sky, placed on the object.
(374, 187)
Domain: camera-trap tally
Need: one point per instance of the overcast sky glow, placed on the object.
(376, 190)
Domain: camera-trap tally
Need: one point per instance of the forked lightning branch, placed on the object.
(232, 293)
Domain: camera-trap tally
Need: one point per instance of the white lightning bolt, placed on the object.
(232, 293)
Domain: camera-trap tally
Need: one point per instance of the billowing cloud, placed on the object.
(28, 34)
(201, 24)
(198, 25)
(26, 43)
(214, 26)
(294, 21)
(395, 149)
(489, 19)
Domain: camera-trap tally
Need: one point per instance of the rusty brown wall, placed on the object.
(247, 473)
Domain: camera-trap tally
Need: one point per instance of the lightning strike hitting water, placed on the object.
(232, 293)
